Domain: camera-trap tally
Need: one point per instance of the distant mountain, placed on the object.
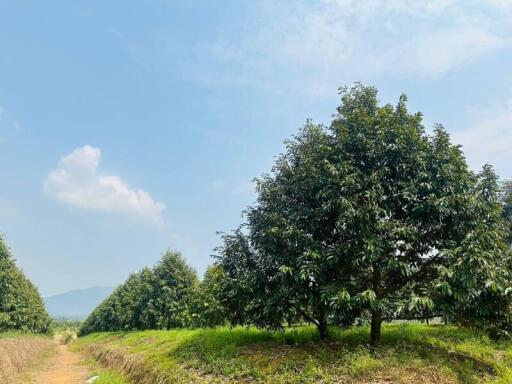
(76, 304)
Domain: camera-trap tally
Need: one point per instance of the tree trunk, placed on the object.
(376, 313)
(376, 327)
(322, 324)
(322, 329)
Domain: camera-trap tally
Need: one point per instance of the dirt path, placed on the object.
(63, 368)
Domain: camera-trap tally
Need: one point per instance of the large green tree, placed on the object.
(21, 306)
(475, 285)
(358, 217)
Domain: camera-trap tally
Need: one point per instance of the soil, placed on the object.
(65, 367)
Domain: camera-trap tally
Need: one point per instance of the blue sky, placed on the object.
(127, 128)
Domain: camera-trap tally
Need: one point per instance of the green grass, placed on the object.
(106, 375)
(109, 376)
(409, 353)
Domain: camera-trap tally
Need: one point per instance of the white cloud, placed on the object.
(437, 53)
(504, 5)
(312, 47)
(77, 181)
(315, 46)
(488, 138)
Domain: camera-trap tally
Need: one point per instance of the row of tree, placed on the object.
(169, 295)
(21, 306)
(371, 218)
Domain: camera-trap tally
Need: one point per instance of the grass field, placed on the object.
(408, 354)
(19, 352)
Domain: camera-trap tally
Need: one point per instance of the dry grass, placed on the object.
(19, 352)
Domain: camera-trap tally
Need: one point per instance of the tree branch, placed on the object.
(306, 316)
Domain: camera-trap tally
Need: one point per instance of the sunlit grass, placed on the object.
(110, 377)
(105, 375)
(432, 354)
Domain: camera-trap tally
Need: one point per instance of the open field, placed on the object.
(19, 352)
(408, 354)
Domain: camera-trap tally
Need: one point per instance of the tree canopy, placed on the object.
(370, 216)
(21, 306)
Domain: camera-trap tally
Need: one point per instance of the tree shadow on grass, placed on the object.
(247, 352)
